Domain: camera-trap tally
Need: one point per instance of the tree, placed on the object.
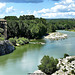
(65, 55)
(10, 18)
(48, 65)
(27, 17)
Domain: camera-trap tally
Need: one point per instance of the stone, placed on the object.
(67, 66)
(6, 47)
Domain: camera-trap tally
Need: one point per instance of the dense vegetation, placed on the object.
(19, 41)
(65, 55)
(26, 26)
(34, 28)
(61, 24)
(48, 65)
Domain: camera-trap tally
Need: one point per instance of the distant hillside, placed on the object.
(70, 19)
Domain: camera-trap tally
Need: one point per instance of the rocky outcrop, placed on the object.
(6, 47)
(66, 66)
(56, 36)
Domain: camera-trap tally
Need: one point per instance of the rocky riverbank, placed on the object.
(6, 47)
(56, 36)
(66, 66)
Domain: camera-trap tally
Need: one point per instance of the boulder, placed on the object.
(6, 47)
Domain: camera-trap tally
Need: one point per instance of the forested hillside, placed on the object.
(26, 26)
(31, 27)
(61, 24)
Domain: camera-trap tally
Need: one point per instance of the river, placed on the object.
(25, 59)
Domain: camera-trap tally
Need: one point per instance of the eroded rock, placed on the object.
(6, 47)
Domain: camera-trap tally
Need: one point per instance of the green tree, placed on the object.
(10, 18)
(48, 65)
(65, 55)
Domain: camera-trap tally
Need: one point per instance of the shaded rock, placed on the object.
(6, 47)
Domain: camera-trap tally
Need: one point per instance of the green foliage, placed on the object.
(13, 41)
(35, 28)
(69, 74)
(20, 41)
(1, 35)
(60, 24)
(73, 72)
(1, 38)
(27, 17)
(10, 18)
(70, 60)
(65, 70)
(66, 55)
(62, 64)
(48, 65)
(32, 28)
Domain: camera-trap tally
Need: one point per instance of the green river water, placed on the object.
(25, 59)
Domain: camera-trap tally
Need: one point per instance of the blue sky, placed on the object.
(39, 8)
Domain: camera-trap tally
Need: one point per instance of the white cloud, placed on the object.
(69, 1)
(2, 5)
(59, 15)
(10, 9)
(44, 10)
(5, 11)
(63, 9)
(22, 12)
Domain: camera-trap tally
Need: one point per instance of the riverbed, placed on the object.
(25, 59)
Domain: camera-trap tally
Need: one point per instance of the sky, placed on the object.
(38, 8)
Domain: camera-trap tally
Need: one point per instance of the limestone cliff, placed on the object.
(66, 66)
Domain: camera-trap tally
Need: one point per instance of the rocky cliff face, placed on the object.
(6, 47)
(66, 66)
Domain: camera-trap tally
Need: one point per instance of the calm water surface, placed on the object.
(25, 59)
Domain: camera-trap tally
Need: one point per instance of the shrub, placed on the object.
(62, 64)
(13, 41)
(70, 60)
(25, 40)
(72, 71)
(48, 65)
(65, 70)
(69, 74)
(65, 55)
(20, 40)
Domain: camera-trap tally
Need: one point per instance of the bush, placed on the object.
(65, 70)
(20, 41)
(13, 41)
(66, 55)
(72, 71)
(24, 40)
(70, 60)
(48, 65)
